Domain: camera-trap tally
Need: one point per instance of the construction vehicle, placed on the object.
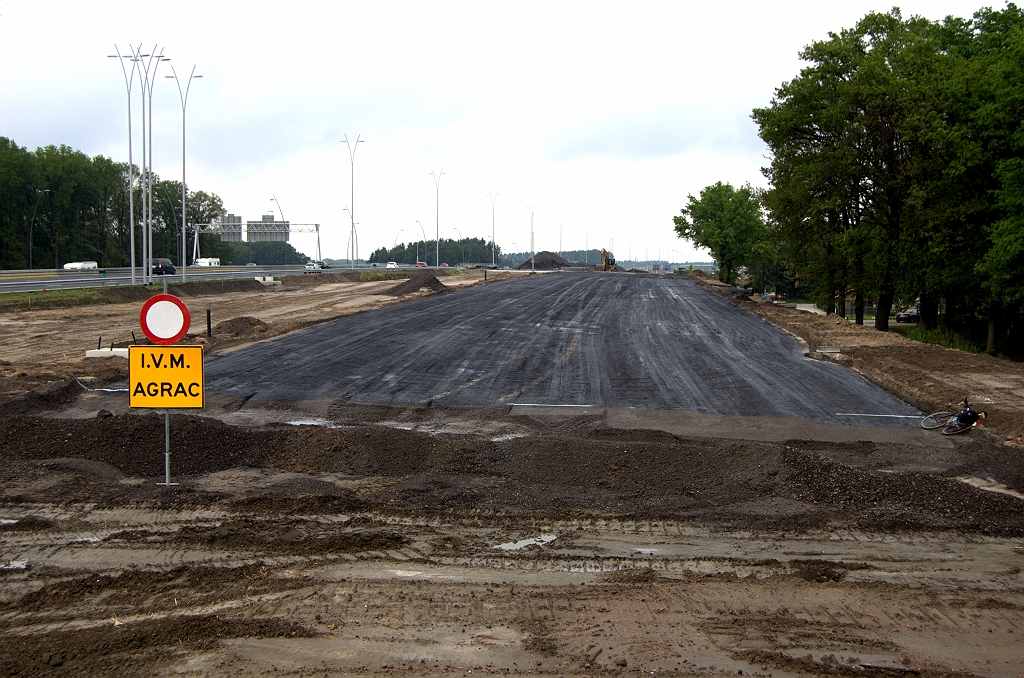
(607, 262)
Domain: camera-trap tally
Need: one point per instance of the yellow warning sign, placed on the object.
(165, 376)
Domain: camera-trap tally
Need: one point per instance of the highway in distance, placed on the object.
(602, 340)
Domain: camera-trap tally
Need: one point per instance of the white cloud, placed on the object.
(604, 114)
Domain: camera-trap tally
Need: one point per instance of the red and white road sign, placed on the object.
(165, 319)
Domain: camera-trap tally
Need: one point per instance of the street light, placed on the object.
(353, 238)
(129, 80)
(396, 239)
(561, 221)
(184, 101)
(461, 243)
(437, 216)
(533, 254)
(418, 244)
(494, 261)
(148, 81)
(40, 192)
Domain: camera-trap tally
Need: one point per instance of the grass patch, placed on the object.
(943, 337)
(17, 301)
(372, 276)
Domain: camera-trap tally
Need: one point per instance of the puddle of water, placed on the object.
(15, 565)
(648, 552)
(989, 485)
(508, 436)
(312, 422)
(8, 521)
(523, 543)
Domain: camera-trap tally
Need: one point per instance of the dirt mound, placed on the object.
(50, 396)
(611, 471)
(545, 261)
(143, 646)
(415, 284)
(190, 289)
(319, 278)
(244, 326)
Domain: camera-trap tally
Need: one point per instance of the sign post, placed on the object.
(163, 376)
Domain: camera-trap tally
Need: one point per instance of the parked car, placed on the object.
(392, 264)
(910, 315)
(79, 265)
(421, 264)
(163, 266)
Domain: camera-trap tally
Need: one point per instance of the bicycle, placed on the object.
(954, 423)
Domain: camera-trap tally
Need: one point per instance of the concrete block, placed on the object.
(107, 353)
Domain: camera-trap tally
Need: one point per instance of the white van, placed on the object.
(80, 265)
(211, 261)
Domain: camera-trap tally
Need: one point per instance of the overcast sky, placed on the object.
(594, 115)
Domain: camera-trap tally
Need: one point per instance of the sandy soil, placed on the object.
(330, 538)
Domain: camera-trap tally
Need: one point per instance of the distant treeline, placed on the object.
(71, 207)
(452, 252)
(896, 174)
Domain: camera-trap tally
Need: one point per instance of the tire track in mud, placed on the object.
(641, 342)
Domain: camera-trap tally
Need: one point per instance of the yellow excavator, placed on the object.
(607, 262)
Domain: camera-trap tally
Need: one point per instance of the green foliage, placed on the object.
(75, 208)
(943, 337)
(262, 253)
(897, 167)
(728, 222)
(452, 252)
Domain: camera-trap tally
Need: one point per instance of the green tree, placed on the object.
(728, 222)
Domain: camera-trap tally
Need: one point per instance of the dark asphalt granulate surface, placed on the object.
(603, 340)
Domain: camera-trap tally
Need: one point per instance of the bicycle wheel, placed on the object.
(956, 427)
(937, 420)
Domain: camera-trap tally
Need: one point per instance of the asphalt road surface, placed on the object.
(603, 340)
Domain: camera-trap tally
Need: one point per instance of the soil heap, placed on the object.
(545, 261)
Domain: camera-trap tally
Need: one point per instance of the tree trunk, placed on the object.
(858, 307)
(929, 313)
(882, 313)
(991, 347)
(841, 305)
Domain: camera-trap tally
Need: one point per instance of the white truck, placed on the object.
(207, 262)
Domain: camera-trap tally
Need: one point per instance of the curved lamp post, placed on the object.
(494, 198)
(437, 216)
(129, 80)
(184, 101)
(353, 238)
(40, 191)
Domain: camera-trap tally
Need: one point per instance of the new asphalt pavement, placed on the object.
(584, 339)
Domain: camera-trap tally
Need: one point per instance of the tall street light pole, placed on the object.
(129, 80)
(148, 80)
(424, 241)
(353, 238)
(494, 259)
(561, 222)
(184, 101)
(32, 223)
(533, 255)
(437, 216)
(461, 243)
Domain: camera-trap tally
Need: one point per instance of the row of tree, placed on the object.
(59, 205)
(451, 252)
(897, 173)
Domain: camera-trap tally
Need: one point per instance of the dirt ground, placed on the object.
(332, 538)
(930, 377)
